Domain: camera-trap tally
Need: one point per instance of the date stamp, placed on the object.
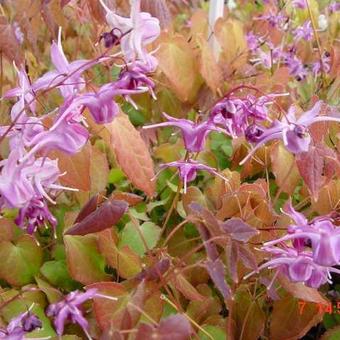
(329, 308)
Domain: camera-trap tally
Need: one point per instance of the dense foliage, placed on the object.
(169, 169)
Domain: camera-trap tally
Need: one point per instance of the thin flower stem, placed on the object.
(312, 19)
(163, 297)
(173, 231)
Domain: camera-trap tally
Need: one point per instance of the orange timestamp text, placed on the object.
(329, 308)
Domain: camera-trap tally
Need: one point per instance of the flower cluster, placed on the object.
(312, 254)
(264, 53)
(29, 178)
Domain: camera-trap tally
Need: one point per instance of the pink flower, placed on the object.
(194, 134)
(304, 32)
(34, 215)
(188, 170)
(20, 325)
(70, 309)
(143, 29)
(299, 4)
(66, 76)
(24, 92)
(297, 266)
(291, 130)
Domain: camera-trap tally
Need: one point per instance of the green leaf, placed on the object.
(216, 333)
(57, 274)
(116, 176)
(20, 262)
(132, 238)
(84, 262)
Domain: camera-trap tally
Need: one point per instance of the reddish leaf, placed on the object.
(284, 168)
(132, 154)
(232, 255)
(9, 45)
(291, 320)
(217, 274)
(77, 168)
(302, 292)
(89, 207)
(178, 62)
(175, 327)
(129, 198)
(239, 230)
(120, 314)
(156, 271)
(185, 287)
(317, 166)
(106, 216)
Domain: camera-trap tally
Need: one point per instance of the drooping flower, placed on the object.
(25, 93)
(66, 76)
(65, 135)
(324, 237)
(304, 32)
(19, 326)
(291, 130)
(35, 215)
(143, 29)
(69, 309)
(188, 170)
(135, 77)
(297, 266)
(194, 134)
(20, 182)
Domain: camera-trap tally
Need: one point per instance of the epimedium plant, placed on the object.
(235, 235)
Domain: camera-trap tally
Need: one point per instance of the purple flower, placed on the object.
(324, 237)
(297, 266)
(323, 65)
(188, 170)
(292, 131)
(299, 4)
(253, 41)
(334, 7)
(34, 215)
(22, 182)
(66, 75)
(69, 309)
(15, 188)
(24, 92)
(143, 29)
(19, 326)
(304, 32)
(234, 113)
(135, 77)
(194, 134)
(277, 20)
(295, 66)
(66, 135)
